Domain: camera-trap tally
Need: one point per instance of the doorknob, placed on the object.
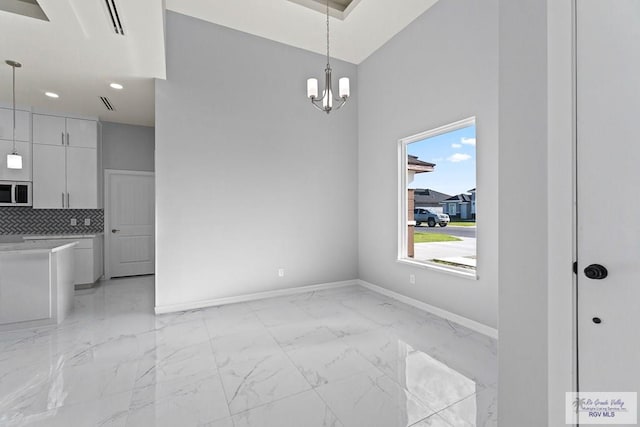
(114, 230)
(596, 272)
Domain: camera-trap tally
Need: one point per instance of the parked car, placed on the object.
(430, 217)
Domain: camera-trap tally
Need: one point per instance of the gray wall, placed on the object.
(250, 178)
(127, 147)
(442, 68)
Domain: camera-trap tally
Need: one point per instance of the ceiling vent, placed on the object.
(114, 17)
(107, 104)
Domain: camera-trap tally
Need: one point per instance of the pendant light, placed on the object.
(325, 103)
(14, 160)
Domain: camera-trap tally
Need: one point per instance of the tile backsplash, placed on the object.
(25, 220)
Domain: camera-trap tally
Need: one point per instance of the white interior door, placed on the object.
(131, 226)
(608, 162)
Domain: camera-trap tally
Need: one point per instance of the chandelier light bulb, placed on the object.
(312, 88)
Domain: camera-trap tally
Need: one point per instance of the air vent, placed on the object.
(114, 16)
(107, 103)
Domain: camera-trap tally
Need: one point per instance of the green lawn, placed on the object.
(433, 237)
(463, 223)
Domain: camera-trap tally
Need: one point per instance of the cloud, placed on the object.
(468, 141)
(458, 157)
(456, 145)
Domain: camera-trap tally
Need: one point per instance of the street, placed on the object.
(451, 230)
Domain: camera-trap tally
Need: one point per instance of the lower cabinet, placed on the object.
(88, 257)
(88, 260)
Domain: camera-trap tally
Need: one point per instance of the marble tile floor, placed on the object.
(345, 357)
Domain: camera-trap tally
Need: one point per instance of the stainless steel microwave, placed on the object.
(15, 193)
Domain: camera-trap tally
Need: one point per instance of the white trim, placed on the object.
(468, 323)
(193, 305)
(403, 220)
(107, 192)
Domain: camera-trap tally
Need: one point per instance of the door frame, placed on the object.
(108, 173)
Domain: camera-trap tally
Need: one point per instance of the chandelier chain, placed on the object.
(328, 34)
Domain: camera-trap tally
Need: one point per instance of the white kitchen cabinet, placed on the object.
(50, 130)
(49, 177)
(82, 178)
(65, 163)
(24, 149)
(82, 133)
(55, 130)
(23, 144)
(23, 125)
(89, 265)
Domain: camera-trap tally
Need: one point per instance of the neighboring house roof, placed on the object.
(419, 166)
(425, 197)
(461, 198)
(473, 190)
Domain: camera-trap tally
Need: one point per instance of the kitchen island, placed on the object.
(36, 283)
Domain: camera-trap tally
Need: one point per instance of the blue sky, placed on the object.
(454, 154)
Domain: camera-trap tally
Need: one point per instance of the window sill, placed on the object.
(458, 272)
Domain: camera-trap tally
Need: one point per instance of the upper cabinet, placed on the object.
(23, 125)
(66, 162)
(23, 144)
(54, 130)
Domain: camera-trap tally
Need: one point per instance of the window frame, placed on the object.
(403, 220)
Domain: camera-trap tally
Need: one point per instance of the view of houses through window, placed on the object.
(439, 197)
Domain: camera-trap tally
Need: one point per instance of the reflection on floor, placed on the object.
(344, 357)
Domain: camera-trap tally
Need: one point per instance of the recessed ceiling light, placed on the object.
(52, 95)
(116, 86)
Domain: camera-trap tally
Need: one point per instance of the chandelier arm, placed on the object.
(343, 101)
(314, 103)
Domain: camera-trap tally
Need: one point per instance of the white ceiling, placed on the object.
(368, 25)
(77, 53)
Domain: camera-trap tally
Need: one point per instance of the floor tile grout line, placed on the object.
(305, 378)
(215, 361)
(444, 409)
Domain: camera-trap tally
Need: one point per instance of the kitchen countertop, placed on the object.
(61, 236)
(35, 247)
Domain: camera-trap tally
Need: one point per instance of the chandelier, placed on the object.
(325, 103)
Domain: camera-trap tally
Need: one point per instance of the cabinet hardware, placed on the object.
(62, 199)
(68, 202)
(67, 138)
(62, 135)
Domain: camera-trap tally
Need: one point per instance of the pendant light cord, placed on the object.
(14, 108)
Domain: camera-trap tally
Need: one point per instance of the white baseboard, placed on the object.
(468, 323)
(193, 305)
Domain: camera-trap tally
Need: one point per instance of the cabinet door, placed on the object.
(82, 178)
(48, 176)
(23, 125)
(48, 130)
(24, 149)
(82, 133)
(84, 266)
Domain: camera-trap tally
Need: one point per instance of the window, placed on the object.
(437, 227)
